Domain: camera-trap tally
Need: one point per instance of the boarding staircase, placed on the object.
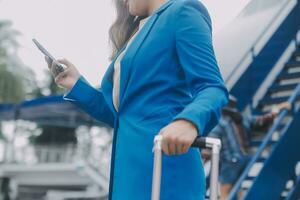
(271, 173)
(272, 77)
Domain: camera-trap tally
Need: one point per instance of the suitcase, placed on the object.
(200, 142)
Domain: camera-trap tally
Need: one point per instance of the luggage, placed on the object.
(200, 142)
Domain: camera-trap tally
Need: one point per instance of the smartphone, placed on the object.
(54, 70)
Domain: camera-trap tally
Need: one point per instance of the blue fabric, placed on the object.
(169, 72)
(231, 171)
(232, 159)
(231, 149)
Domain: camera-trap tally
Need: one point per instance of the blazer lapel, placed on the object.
(126, 62)
(107, 81)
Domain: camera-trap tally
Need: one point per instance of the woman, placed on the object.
(170, 84)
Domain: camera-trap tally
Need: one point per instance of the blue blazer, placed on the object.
(168, 72)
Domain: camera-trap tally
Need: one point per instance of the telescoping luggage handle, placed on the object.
(200, 142)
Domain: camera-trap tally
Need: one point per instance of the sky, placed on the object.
(78, 30)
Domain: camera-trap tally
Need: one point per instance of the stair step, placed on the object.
(250, 178)
(286, 146)
(279, 88)
(292, 64)
(286, 75)
(296, 54)
(274, 100)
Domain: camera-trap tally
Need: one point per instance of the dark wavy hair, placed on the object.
(123, 27)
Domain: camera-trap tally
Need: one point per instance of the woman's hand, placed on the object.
(67, 78)
(277, 108)
(178, 136)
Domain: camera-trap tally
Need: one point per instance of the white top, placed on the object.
(117, 67)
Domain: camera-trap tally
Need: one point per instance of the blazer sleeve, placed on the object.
(91, 100)
(193, 36)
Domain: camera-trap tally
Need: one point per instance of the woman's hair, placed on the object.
(123, 27)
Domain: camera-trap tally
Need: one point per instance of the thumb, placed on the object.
(65, 62)
(61, 75)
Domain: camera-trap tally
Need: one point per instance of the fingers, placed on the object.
(64, 61)
(60, 76)
(54, 64)
(178, 137)
(180, 149)
(288, 105)
(165, 147)
(174, 146)
(185, 147)
(283, 105)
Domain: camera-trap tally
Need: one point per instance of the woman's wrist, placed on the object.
(72, 84)
(190, 124)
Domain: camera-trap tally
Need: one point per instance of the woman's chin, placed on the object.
(133, 13)
(136, 12)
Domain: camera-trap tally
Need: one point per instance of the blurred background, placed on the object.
(50, 149)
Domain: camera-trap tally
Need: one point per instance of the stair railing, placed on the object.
(252, 51)
(292, 99)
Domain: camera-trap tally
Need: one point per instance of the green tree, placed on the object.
(17, 81)
(11, 84)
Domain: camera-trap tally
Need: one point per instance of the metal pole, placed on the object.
(213, 143)
(157, 168)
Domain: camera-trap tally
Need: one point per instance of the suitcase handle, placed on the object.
(200, 142)
(208, 142)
